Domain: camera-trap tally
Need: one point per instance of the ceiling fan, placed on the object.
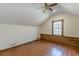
(48, 6)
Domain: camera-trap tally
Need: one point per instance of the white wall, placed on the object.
(71, 25)
(12, 35)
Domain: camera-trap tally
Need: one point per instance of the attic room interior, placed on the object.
(39, 29)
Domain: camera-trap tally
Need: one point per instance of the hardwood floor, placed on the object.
(41, 48)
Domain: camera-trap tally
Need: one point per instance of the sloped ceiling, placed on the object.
(21, 14)
(72, 8)
(30, 14)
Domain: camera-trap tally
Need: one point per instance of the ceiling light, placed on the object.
(54, 10)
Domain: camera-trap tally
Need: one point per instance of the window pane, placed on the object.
(55, 33)
(57, 28)
(60, 33)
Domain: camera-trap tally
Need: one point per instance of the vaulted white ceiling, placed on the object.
(72, 8)
(21, 14)
(30, 14)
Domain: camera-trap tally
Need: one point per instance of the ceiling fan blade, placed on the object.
(45, 4)
(50, 9)
(54, 4)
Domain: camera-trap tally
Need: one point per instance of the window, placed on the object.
(57, 27)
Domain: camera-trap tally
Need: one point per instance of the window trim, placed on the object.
(62, 27)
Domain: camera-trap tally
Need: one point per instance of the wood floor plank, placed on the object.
(41, 48)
